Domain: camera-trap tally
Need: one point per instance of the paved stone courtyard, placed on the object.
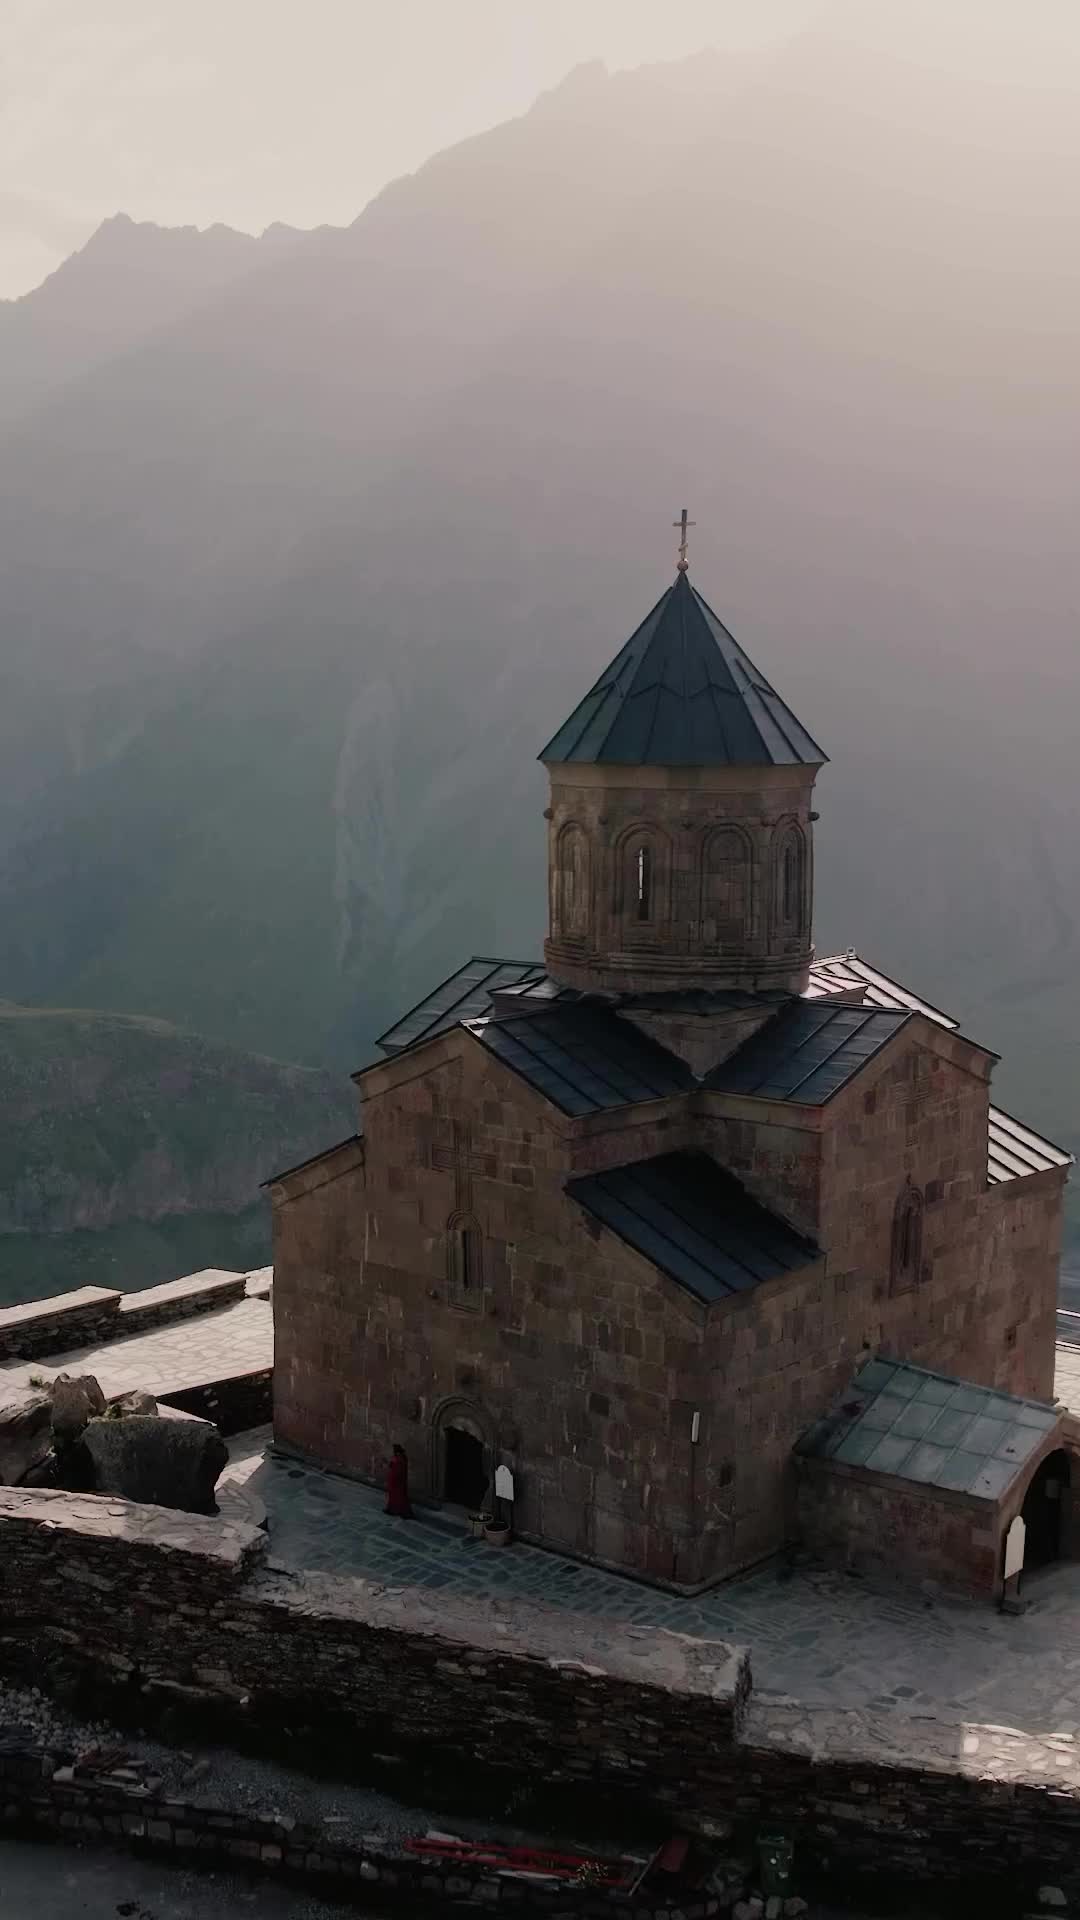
(820, 1638)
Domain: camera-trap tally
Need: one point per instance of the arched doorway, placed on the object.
(462, 1454)
(465, 1475)
(1044, 1511)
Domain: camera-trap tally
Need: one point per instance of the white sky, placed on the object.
(249, 111)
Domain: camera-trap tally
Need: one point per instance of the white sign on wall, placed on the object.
(504, 1484)
(1015, 1541)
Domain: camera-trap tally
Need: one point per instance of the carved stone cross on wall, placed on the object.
(462, 1162)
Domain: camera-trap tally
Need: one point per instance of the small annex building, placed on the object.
(631, 1219)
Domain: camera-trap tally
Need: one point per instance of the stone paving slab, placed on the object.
(219, 1345)
(819, 1638)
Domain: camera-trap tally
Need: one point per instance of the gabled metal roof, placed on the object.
(466, 994)
(584, 1059)
(932, 1429)
(807, 1052)
(682, 693)
(1015, 1150)
(846, 973)
(695, 1222)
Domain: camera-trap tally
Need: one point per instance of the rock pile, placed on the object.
(66, 1436)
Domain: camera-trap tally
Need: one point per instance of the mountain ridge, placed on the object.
(344, 543)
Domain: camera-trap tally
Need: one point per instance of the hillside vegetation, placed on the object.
(131, 1152)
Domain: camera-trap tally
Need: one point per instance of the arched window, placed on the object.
(791, 882)
(789, 879)
(572, 882)
(725, 888)
(465, 1263)
(642, 881)
(907, 1240)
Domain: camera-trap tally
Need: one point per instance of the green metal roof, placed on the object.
(931, 1428)
(682, 693)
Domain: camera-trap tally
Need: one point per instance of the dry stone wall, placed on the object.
(180, 1612)
(175, 1612)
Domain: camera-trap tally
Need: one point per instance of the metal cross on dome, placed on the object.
(683, 524)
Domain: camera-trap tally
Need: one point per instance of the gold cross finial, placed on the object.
(683, 523)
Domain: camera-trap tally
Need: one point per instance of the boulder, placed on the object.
(134, 1402)
(74, 1402)
(164, 1463)
(25, 1437)
(67, 1466)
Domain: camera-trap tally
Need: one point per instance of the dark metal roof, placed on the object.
(695, 1222)
(584, 1059)
(931, 1428)
(807, 1053)
(464, 996)
(682, 693)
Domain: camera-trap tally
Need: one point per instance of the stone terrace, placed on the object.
(187, 1341)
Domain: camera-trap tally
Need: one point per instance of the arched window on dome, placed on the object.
(572, 882)
(643, 879)
(906, 1240)
(643, 882)
(725, 888)
(789, 879)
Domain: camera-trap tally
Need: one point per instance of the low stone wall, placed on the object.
(92, 1315)
(247, 1400)
(38, 1802)
(184, 1614)
(66, 1320)
(474, 1703)
(177, 1300)
(918, 1801)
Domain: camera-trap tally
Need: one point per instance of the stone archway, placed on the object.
(462, 1453)
(1046, 1511)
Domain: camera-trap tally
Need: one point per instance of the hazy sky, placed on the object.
(248, 111)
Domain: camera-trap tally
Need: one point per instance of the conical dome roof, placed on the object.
(682, 693)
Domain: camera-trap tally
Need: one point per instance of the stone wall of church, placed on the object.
(575, 1363)
(320, 1357)
(979, 1303)
(776, 1358)
(979, 1299)
(777, 1160)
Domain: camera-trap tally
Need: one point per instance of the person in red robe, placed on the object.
(397, 1485)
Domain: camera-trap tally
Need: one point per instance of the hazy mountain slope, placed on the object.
(128, 279)
(110, 1120)
(377, 513)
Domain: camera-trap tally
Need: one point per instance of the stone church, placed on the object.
(704, 1238)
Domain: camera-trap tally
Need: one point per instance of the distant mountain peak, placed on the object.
(588, 77)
